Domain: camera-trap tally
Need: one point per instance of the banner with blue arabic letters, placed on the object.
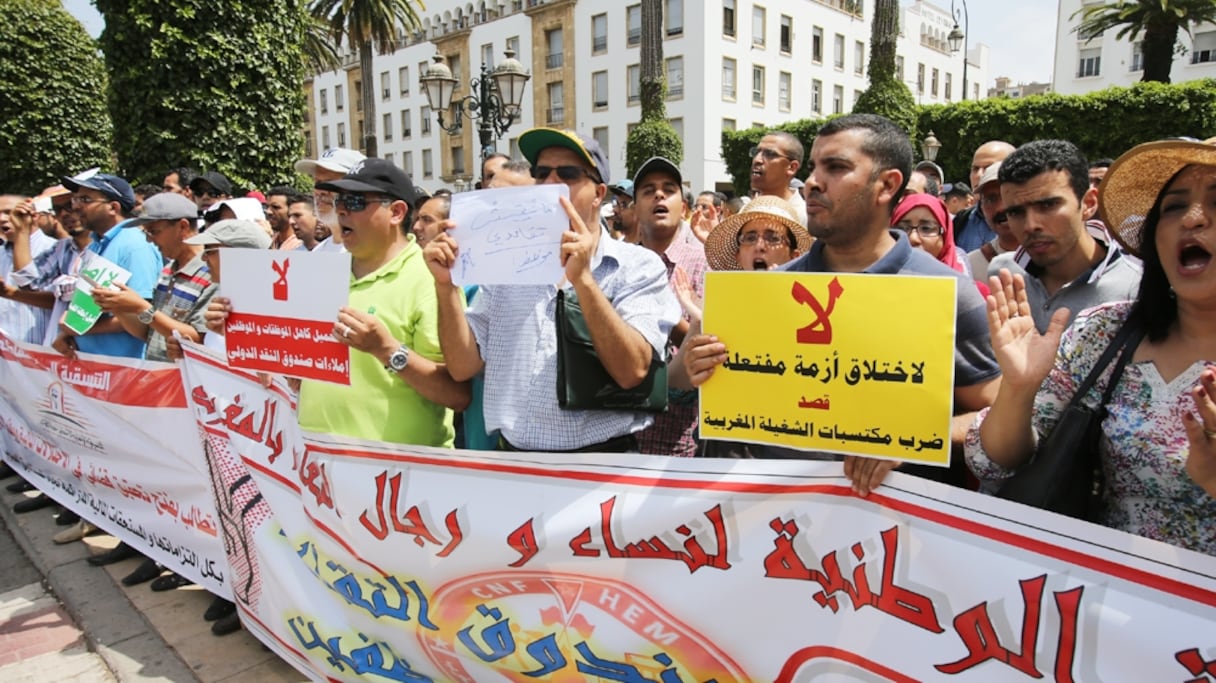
(365, 561)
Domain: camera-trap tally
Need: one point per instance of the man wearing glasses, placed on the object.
(510, 334)
(775, 162)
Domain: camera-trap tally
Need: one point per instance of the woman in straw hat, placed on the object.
(764, 235)
(1158, 446)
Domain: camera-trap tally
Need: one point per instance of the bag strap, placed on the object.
(1126, 340)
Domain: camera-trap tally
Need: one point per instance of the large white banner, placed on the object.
(114, 440)
(365, 561)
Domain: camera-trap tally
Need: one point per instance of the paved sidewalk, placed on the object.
(138, 634)
(39, 642)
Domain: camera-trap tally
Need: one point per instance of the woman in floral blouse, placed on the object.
(1159, 440)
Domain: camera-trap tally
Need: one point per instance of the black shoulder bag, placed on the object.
(582, 381)
(1065, 475)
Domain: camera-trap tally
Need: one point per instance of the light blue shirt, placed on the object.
(128, 248)
(516, 332)
(24, 322)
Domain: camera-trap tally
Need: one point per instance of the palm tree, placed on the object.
(1158, 20)
(320, 52)
(368, 24)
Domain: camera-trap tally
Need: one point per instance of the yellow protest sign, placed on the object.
(842, 363)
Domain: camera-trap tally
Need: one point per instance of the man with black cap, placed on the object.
(103, 203)
(210, 188)
(510, 331)
(624, 214)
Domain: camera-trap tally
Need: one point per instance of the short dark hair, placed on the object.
(886, 143)
(147, 190)
(283, 191)
(185, 175)
(518, 166)
(444, 198)
(797, 150)
(1043, 156)
(716, 197)
(302, 199)
(1155, 310)
(1101, 163)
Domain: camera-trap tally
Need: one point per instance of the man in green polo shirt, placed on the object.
(400, 389)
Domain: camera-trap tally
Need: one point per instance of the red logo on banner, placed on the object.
(280, 285)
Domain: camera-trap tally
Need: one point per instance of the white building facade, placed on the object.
(1088, 63)
(730, 64)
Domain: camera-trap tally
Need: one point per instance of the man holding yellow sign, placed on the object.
(878, 369)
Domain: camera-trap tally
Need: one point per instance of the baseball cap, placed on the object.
(991, 174)
(244, 208)
(656, 164)
(375, 175)
(233, 233)
(213, 178)
(166, 206)
(624, 187)
(114, 188)
(531, 142)
(336, 159)
(959, 189)
(927, 165)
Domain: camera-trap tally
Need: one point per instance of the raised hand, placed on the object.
(1200, 432)
(1025, 356)
(440, 254)
(578, 245)
(685, 294)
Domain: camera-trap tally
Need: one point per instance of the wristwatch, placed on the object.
(147, 316)
(399, 359)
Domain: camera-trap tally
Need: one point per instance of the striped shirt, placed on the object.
(517, 335)
(183, 295)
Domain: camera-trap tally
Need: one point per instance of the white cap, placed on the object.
(336, 159)
(245, 208)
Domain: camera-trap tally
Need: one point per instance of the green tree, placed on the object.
(369, 25)
(214, 84)
(653, 136)
(51, 96)
(1158, 20)
(887, 95)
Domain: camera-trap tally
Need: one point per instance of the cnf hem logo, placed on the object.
(280, 285)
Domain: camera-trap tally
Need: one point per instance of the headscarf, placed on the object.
(950, 255)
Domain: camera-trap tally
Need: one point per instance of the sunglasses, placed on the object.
(213, 193)
(355, 203)
(768, 153)
(566, 174)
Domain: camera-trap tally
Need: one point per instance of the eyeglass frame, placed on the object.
(924, 230)
(343, 200)
(563, 171)
(769, 153)
(780, 240)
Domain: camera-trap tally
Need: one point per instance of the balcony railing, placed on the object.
(555, 115)
(553, 61)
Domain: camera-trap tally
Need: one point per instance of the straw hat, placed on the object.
(722, 245)
(1136, 179)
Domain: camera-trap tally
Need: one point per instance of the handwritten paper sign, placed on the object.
(284, 307)
(95, 271)
(510, 235)
(840, 363)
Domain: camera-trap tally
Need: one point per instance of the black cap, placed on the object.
(213, 178)
(375, 175)
(656, 164)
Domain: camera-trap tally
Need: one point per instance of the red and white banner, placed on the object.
(365, 561)
(114, 440)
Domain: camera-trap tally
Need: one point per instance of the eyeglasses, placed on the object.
(355, 203)
(80, 200)
(768, 153)
(210, 251)
(925, 230)
(566, 174)
(770, 237)
(213, 193)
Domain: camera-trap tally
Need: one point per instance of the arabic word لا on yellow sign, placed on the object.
(841, 363)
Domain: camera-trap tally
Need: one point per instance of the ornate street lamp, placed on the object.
(494, 101)
(958, 38)
(929, 147)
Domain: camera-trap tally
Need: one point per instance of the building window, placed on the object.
(458, 161)
(1137, 57)
(920, 79)
(407, 163)
(487, 56)
(358, 93)
(388, 156)
(838, 52)
(677, 125)
(339, 102)
(674, 16)
(675, 77)
(859, 58)
(424, 119)
(428, 166)
(422, 67)
(633, 22)
(729, 124)
(406, 128)
(599, 89)
(403, 80)
(599, 33)
(787, 35)
(308, 150)
(728, 18)
(634, 73)
(387, 124)
(1204, 49)
(817, 45)
(513, 44)
(758, 85)
(600, 134)
(324, 137)
(341, 134)
(817, 96)
(553, 43)
(386, 85)
(758, 19)
(324, 101)
(1090, 63)
(728, 79)
(837, 99)
(557, 103)
(783, 91)
(933, 84)
(949, 86)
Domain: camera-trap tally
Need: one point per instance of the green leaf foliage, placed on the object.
(652, 138)
(213, 85)
(735, 144)
(52, 97)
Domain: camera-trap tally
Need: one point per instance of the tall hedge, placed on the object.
(52, 97)
(216, 85)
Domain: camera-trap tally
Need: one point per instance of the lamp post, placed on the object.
(929, 147)
(959, 38)
(494, 101)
